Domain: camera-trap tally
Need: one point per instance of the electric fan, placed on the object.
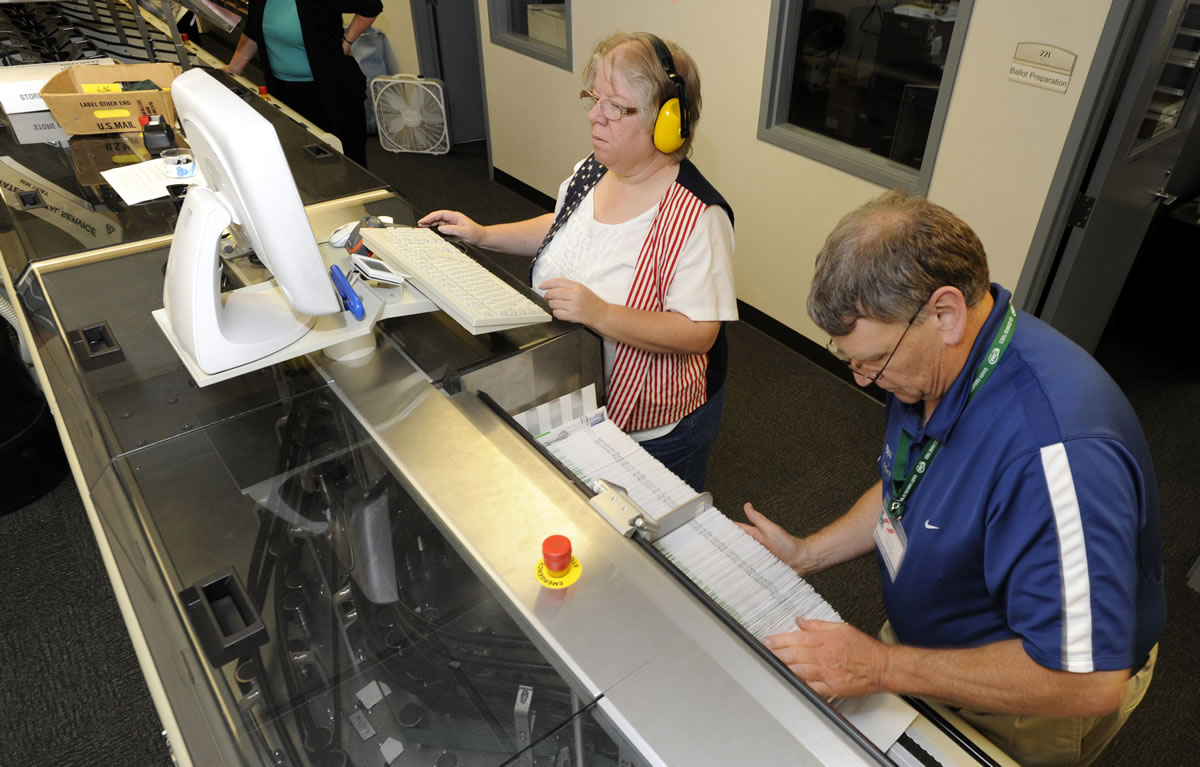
(410, 114)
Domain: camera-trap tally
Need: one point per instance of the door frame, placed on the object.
(429, 57)
(1122, 30)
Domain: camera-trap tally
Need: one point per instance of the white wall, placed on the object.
(396, 23)
(1003, 139)
(998, 153)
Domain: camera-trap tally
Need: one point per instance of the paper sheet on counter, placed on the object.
(145, 181)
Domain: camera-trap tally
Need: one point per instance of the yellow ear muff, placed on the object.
(667, 127)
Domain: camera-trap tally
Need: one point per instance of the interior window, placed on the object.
(541, 30)
(859, 84)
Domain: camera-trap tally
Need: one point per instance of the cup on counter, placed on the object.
(178, 163)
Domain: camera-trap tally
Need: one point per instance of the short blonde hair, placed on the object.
(633, 56)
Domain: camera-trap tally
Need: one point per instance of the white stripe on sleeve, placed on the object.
(1077, 591)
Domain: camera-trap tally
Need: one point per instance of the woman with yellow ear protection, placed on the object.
(639, 249)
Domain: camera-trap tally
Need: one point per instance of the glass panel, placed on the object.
(868, 75)
(543, 22)
(139, 391)
(1176, 81)
(382, 646)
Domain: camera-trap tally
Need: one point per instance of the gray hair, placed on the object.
(632, 54)
(885, 259)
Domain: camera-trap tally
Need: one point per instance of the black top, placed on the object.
(335, 73)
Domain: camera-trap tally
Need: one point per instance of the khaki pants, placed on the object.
(1042, 741)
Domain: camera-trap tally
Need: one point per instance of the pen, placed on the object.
(350, 299)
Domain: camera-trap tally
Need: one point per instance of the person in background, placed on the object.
(1016, 517)
(639, 249)
(304, 52)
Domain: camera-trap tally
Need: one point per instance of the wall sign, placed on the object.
(1042, 66)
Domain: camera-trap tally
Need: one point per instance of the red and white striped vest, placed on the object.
(648, 389)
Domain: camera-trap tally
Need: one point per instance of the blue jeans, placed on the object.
(684, 450)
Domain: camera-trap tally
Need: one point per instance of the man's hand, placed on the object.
(573, 302)
(781, 543)
(835, 659)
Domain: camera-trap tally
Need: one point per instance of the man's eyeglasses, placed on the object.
(610, 109)
(849, 361)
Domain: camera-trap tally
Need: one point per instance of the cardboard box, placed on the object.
(79, 111)
(20, 85)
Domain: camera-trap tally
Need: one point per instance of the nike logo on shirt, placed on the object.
(931, 527)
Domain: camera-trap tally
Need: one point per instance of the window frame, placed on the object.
(774, 128)
(500, 25)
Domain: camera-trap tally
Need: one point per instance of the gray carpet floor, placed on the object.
(71, 692)
(797, 441)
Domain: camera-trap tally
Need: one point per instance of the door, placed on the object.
(447, 34)
(1148, 128)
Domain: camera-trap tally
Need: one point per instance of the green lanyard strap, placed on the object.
(900, 493)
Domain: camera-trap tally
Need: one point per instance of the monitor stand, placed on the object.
(220, 332)
(345, 338)
(219, 336)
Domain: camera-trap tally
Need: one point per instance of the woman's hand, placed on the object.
(246, 50)
(573, 302)
(455, 224)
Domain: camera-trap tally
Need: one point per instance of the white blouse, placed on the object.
(603, 257)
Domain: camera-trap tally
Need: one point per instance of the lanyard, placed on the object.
(986, 366)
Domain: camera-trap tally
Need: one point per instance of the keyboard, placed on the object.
(463, 288)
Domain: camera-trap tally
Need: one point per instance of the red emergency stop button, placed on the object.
(557, 568)
(556, 553)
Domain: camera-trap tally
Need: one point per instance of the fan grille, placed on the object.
(410, 114)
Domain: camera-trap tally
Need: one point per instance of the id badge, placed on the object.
(891, 541)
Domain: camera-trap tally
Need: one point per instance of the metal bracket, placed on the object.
(185, 61)
(615, 505)
(143, 29)
(523, 719)
(1081, 211)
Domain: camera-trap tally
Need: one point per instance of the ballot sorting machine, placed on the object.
(336, 563)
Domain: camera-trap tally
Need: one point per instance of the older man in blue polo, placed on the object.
(1015, 520)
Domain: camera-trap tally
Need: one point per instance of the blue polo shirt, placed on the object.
(1038, 518)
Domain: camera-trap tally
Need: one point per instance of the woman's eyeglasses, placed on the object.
(610, 109)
